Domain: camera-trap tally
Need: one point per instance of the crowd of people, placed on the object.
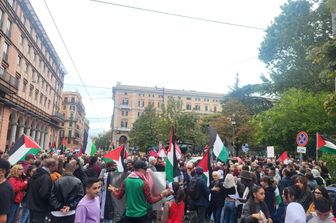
(66, 188)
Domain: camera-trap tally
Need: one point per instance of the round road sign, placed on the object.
(302, 139)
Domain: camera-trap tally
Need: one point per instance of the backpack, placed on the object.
(193, 190)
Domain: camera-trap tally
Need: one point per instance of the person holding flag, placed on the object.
(137, 192)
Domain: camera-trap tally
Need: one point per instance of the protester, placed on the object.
(88, 209)
(322, 213)
(255, 209)
(201, 202)
(173, 210)
(288, 196)
(295, 213)
(320, 191)
(39, 192)
(268, 184)
(217, 196)
(304, 195)
(230, 189)
(107, 208)
(6, 191)
(137, 192)
(19, 183)
(66, 194)
(25, 210)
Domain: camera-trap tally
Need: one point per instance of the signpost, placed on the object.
(301, 140)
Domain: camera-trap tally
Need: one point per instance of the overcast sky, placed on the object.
(110, 43)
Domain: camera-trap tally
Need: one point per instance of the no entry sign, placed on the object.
(302, 139)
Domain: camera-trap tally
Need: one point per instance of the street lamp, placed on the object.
(234, 124)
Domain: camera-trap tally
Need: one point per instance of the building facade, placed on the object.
(31, 78)
(130, 102)
(75, 122)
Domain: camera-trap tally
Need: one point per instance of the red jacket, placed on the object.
(19, 186)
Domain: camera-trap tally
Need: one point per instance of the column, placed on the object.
(38, 136)
(33, 133)
(21, 129)
(12, 133)
(46, 144)
(28, 131)
(42, 140)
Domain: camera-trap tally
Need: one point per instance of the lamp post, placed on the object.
(234, 124)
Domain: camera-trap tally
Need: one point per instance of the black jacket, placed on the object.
(67, 191)
(40, 185)
(217, 197)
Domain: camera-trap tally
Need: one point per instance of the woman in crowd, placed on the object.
(256, 210)
(305, 197)
(230, 212)
(25, 211)
(288, 196)
(173, 210)
(320, 191)
(269, 186)
(19, 184)
(217, 196)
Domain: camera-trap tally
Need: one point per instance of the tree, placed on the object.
(153, 127)
(250, 96)
(297, 110)
(299, 28)
(144, 132)
(103, 140)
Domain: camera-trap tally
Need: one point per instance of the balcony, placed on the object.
(8, 83)
(57, 116)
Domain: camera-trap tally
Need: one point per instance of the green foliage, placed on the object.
(144, 131)
(103, 140)
(153, 127)
(286, 45)
(330, 160)
(297, 110)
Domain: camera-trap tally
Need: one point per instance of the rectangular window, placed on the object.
(188, 98)
(36, 94)
(41, 98)
(31, 89)
(18, 61)
(125, 101)
(5, 52)
(188, 107)
(206, 108)
(45, 101)
(8, 28)
(124, 113)
(48, 103)
(24, 88)
(124, 124)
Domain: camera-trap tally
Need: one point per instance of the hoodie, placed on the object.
(39, 191)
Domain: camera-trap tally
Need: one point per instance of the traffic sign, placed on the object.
(301, 149)
(302, 139)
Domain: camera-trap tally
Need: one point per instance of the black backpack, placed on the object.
(193, 189)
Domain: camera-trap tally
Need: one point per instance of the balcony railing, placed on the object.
(8, 83)
(57, 116)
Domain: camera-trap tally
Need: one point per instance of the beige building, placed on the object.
(31, 77)
(130, 102)
(75, 122)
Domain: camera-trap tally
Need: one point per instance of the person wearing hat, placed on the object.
(137, 192)
(244, 188)
(6, 191)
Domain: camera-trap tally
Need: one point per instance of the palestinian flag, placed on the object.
(22, 147)
(162, 152)
(219, 149)
(90, 148)
(206, 166)
(283, 157)
(324, 145)
(172, 169)
(117, 155)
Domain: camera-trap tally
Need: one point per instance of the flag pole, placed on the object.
(316, 148)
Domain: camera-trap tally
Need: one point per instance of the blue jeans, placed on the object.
(13, 211)
(217, 212)
(25, 215)
(230, 212)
